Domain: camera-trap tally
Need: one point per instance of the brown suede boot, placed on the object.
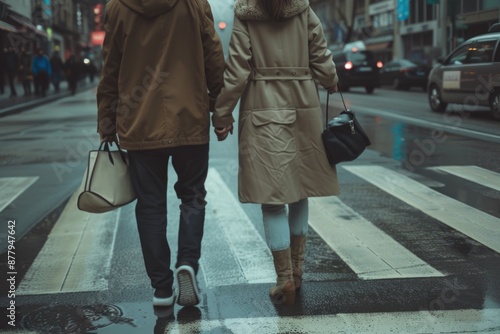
(284, 291)
(298, 246)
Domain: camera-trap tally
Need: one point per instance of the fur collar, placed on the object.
(250, 9)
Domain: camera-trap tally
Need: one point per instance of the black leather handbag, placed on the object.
(343, 137)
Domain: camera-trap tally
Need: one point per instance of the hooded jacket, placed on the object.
(162, 59)
(272, 66)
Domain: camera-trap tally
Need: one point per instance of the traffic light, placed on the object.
(98, 24)
(222, 25)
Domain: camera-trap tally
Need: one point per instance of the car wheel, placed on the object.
(369, 89)
(435, 100)
(396, 84)
(495, 104)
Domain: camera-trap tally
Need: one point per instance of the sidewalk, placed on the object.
(13, 105)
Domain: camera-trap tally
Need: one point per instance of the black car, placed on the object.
(403, 74)
(357, 69)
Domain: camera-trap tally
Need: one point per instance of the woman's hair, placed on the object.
(274, 8)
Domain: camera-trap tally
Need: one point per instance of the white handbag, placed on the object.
(107, 183)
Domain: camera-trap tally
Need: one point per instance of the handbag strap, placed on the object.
(328, 102)
(107, 149)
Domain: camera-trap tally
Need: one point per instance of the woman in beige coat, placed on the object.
(277, 54)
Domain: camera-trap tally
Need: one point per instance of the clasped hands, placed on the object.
(222, 133)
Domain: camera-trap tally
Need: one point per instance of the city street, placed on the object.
(411, 245)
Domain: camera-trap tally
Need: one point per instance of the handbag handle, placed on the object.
(107, 149)
(328, 102)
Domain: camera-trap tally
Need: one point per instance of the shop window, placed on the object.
(420, 10)
(488, 4)
(413, 12)
(429, 12)
(469, 6)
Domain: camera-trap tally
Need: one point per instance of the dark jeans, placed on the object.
(149, 175)
(41, 82)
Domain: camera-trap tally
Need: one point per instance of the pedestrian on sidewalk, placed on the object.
(161, 58)
(42, 71)
(277, 51)
(72, 72)
(11, 64)
(57, 66)
(25, 70)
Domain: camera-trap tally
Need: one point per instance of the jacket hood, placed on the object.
(150, 8)
(251, 10)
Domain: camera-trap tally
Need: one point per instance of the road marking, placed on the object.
(474, 223)
(474, 174)
(367, 250)
(77, 254)
(455, 321)
(234, 238)
(12, 187)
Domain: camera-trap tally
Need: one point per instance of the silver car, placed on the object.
(470, 75)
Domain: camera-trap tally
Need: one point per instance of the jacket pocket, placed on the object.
(276, 116)
(272, 137)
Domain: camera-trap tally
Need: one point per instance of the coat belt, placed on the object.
(281, 73)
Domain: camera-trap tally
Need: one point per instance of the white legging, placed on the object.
(279, 226)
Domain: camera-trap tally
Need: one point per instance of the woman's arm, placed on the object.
(320, 58)
(236, 75)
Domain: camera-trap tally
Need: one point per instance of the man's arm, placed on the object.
(107, 92)
(213, 54)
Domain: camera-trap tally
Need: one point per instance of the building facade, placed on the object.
(427, 30)
(62, 26)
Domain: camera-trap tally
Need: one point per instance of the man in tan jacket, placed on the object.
(163, 69)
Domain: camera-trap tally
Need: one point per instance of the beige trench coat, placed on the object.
(272, 67)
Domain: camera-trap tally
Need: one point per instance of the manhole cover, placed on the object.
(72, 319)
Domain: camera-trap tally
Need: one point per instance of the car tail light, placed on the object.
(380, 64)
(348, 65)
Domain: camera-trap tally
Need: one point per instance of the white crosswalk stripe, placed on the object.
(475, 174)
(76, 256)
(368, 251)
(12, 187)
(474, 223)
(233, 237)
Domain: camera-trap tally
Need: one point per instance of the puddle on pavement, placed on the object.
(73, 319)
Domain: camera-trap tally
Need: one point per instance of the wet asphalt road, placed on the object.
(34, 140)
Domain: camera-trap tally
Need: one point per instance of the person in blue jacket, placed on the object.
(41, 70)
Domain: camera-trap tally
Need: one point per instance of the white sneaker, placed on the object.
(188, 293)
(161, 299)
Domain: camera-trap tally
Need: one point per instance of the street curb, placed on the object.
(18, 108)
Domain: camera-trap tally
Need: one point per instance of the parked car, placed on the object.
(469, 75)
(403, 74)
(357, 69)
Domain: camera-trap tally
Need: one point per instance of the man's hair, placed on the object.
(274, 8)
